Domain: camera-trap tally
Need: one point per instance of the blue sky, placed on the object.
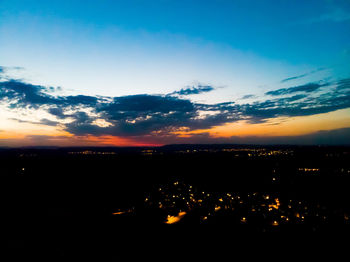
(155, 46)
(119, 48)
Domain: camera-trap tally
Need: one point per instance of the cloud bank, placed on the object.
(147, 115)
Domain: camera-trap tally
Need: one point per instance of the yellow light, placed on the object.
(175, 219)
(118, 213)
(276, 205)
(275, 223)
(122, 212)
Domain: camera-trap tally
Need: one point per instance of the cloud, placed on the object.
(293, 78)
(324, 137)
(248, 96)
(302, 75)
(43, 121)
(194, 90)
(310, 87)
(23, 94)
(145, 115)
(343, 84)
(5, 71)
(58, 112)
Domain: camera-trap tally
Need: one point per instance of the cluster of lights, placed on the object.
(88, 152)
(309, 169)
(250, 152)
(179, 200)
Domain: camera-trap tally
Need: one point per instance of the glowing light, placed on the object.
(175, 219)
(118, 213)
(275, 223)
(276, 205)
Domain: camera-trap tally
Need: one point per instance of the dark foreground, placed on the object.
(55, 200)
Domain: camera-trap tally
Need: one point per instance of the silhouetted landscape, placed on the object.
(54, 192)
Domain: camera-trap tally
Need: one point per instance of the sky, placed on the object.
(155, 72)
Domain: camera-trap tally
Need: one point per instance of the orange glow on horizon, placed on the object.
(13, 133)
(292, 126)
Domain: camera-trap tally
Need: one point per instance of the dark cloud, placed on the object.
(161, 115)
(288, 107)
(302, 75)
(48, 122)
(43, 121)
(324, 137)
(293, 78)
(58, 112)
(343, 84)
(24, 94)
(28, 95)
(310, 87)
(194, 90)
(79, 100)
(248, 96)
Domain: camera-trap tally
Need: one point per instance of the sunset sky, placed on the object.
(155, 72)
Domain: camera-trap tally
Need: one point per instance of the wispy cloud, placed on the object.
(302, 75)
(309, 87)
(194, 90)
(343, 84)
(248, 96)
(293, 78)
